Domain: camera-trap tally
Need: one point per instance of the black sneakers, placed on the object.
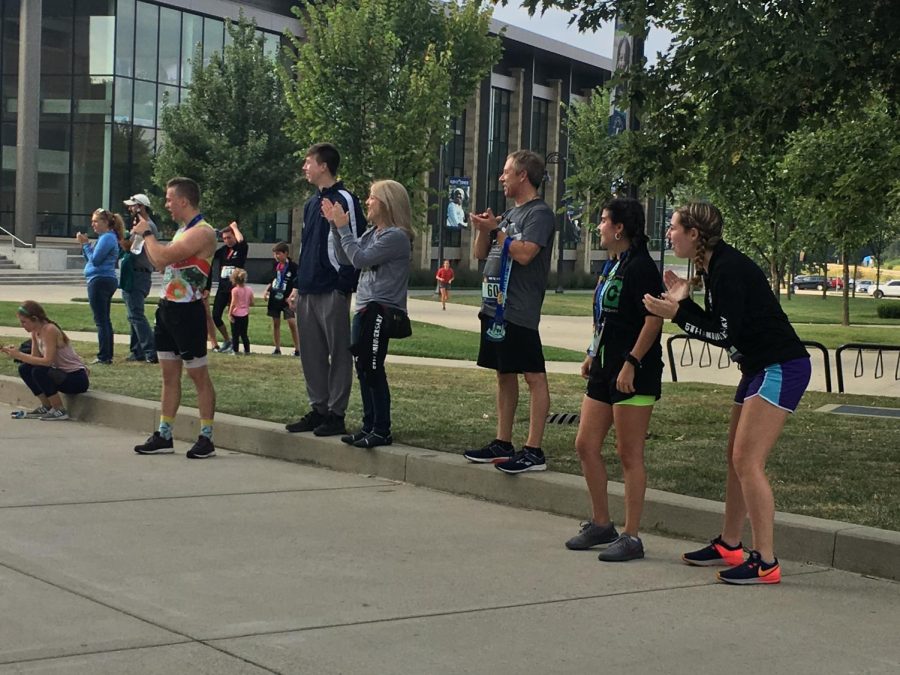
(308, 422)
(592, 535)
(350, 439)
(623, 549)
(156, 445)
(495, 451)
(332, 425)
(374, 440)
(202, 449)
(527, 459)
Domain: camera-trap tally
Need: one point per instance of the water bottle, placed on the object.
(137, 244)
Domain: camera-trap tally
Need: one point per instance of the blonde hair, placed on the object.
(707, 220)
(396, 204)
(239, 277)
(114, 221)
(33, 310)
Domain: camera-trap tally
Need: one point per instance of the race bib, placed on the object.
(490, 289)
(227, 271)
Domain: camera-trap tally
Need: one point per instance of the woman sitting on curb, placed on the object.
(51, 367)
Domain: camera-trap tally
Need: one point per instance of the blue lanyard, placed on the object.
(196, 219)
(497, 331)
(609, 270)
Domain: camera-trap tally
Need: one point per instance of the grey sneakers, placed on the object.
(592, 535)
(624, 548)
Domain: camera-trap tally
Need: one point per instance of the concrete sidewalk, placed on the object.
(115, 563)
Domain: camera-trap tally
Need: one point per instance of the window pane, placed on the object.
(90, 166)
(145, 103)
(125, 37)
(145, 41)
(143, 147)
(272, 45)
(498, 147)
(213, 38)
(120, 185)
(53, 168)
(8, 177)
(172, 99)
(93, 99)
(11, 36)
(56, 37)
(191, 36)
(124, 95)
(95, 27)
(169, 45)
(10, 97)
(56, 97)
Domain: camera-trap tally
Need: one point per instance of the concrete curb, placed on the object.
(844, 546)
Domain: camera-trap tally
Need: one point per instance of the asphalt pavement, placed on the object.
(115, 563)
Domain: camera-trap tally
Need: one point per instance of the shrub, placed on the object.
(889, 310)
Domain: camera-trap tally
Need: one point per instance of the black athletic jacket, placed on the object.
(319, 268)
(742, 314)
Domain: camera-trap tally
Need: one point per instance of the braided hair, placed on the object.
(707, 220)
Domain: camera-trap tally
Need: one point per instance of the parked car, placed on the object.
(864, 286)
(806, 282)
(891, 289)
(836, 283)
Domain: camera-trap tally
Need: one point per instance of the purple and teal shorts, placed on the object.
(781, 384)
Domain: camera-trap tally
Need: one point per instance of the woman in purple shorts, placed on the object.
(743, 316)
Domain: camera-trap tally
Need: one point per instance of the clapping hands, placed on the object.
(335, 213)
(666, 306)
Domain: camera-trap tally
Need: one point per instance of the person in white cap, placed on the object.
(136, 286)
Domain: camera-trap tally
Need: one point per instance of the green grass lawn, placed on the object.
(830, 466)
(427, 339)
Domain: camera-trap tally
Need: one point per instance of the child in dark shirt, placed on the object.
(277, 294)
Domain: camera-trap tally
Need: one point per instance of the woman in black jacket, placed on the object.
(741, 315)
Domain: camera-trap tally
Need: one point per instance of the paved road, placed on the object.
(112, 563)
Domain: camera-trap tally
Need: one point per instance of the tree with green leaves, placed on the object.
(843, 172)
(737, 80)
(228, 134)
(593, 175)
(381, 79)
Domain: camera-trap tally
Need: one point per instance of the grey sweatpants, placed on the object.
(324, 324)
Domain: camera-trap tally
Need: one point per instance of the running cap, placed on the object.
(139, 198)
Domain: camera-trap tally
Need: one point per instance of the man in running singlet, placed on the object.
(180, 329)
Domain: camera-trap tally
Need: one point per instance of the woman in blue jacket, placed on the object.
(100, 272)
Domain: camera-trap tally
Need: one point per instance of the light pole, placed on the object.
(555, 158)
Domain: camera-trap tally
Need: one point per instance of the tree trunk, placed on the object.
(845, 319)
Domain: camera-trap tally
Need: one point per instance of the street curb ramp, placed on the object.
(844, 546)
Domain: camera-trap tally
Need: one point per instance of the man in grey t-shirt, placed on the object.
(517, 246)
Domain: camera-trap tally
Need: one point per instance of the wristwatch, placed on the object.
(494, 233)
(632, 359)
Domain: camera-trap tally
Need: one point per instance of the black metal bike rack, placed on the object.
(859, 367)
(705, 359)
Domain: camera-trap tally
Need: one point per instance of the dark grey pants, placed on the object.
(324, 324)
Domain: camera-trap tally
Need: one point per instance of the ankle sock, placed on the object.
(533, 451)
(206, 428)
(506, 445)
(165, 427)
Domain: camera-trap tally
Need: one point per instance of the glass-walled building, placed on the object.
(107, 69)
